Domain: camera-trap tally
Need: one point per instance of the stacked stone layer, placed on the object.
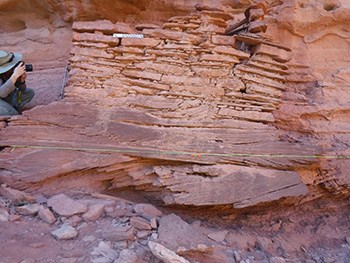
(187, 62)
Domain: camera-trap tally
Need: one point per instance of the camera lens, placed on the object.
(29, 67)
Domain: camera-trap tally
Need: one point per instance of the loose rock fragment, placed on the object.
(15, 195)
(218, 236)
(4, 215)
(127, 255)
(94, 212)
(118, 233)
(30, 209)
(65, 206)
(165, 254)
(105, 252)
(65, 232)
(147, 211)
(46, 215)
(140, 223)
(277, 260)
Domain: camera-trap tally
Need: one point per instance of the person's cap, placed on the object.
(8, 60)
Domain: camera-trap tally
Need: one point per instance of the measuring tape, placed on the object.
(118, 35)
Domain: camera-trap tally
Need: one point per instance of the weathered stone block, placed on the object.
(140, 42)
(98, 38)
(47, 216)
(65, 206)
(164, 254)
(143, 26)
(94, 212)
(92, 26)
(223, 40)
(257, 27)
(147, 211)
(214, 13)
(214, 20)
(163, 68)
(29, 209)
(210, 72)
(168, 54)
(118, 233)
(219, 58)
(242, 70)
(183, 79)
(65, 232)
(214, 29)
(91, 52)
(173, 35)
(243, 186)
(15, 195)
(229, 50)
(126, 28)
(141, 74)
(4, 214)
(128, 50)
(140, 223)
(147, 84)
(183, 235)
(218, 236)
(278, 54)
(182, 26)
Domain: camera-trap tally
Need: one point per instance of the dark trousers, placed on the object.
(7, 109)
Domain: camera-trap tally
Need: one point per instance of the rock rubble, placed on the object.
(143, 233)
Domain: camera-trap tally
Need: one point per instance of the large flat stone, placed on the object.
(237, 185)
(175, 233)
(65, 206)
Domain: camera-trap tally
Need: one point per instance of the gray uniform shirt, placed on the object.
(6, 88)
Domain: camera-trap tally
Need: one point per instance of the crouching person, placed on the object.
(14, 94)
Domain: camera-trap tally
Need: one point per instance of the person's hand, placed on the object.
(23, 77)
(19, 71)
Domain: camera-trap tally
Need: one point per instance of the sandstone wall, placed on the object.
(187, 115)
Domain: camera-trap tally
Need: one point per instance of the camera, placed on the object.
(29, 67)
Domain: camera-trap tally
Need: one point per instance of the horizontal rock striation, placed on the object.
(184, 114)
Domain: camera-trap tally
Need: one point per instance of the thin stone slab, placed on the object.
(65, 206)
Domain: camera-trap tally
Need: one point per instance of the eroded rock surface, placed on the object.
(186, 114)
(317, 101)
(186, 117)
(183, 93)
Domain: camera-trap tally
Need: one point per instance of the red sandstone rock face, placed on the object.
(186, 114)
(320, 74)
(129, 11)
